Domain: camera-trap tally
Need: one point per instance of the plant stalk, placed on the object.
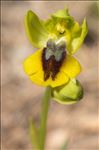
(43, 118)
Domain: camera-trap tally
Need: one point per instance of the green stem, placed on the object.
(44, 114)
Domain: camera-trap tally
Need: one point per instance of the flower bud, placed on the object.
(69, 93)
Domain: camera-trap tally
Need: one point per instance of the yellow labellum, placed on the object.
(33, 68)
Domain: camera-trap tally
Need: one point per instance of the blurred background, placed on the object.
(21, 99)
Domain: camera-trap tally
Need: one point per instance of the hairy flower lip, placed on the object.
(33, 68)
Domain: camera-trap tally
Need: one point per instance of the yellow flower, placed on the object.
(56, 38)
(67, 67)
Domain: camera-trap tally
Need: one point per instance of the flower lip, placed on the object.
(33, 67)
(52, 58)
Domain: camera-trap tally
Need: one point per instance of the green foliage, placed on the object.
(33, 134)
(64, 146)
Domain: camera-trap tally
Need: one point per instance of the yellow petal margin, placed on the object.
(33, 68)
(32, 63)
(38, 78)
(71, 66)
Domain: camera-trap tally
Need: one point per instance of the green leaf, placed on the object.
(35, 30)
(33, 134)
(64, 146)
(78, 35)
(70, 93)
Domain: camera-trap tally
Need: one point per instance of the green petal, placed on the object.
(69, 93)
(78, 35)
(35, 30)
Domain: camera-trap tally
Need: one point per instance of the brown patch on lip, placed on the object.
(51, 67)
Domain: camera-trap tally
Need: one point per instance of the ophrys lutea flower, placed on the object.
(57, 38)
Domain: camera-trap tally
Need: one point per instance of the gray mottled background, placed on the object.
(21, 98)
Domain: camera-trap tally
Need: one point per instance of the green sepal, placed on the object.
(78, 35)
(63, 18)
(49, 24)
(69, 93)
(35, 30)
(63, 14)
